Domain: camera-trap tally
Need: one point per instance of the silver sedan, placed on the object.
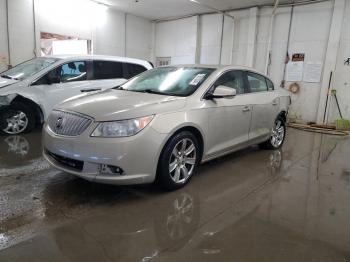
(160, 125)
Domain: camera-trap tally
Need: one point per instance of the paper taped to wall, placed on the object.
(312, 72)
(295, 71)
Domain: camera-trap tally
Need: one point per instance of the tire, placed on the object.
(277, 137)
(21, 117)
(177, 164)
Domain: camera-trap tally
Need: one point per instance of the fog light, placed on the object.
(111, 170)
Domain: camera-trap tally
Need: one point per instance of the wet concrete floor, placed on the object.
(253, 205)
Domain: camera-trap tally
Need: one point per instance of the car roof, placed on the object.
(217, 67)
(221, 68)
(101, 57)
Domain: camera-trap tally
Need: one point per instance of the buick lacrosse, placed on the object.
(160, 125)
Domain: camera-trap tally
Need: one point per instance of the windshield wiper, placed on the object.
(150, 91)
(6, 76)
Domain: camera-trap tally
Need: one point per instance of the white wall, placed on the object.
(210, 40)
(177, 39)
(341, 80)
(21, 28)
(246, 41)
(109, 37)
(110, 29)
(310, 32)
(3, 37)
(139, 37)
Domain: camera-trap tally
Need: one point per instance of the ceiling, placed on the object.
(161, 9)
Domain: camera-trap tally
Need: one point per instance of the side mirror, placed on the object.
(222, 92)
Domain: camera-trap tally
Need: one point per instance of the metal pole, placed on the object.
(268, 54)
(222, 37)
(288, 42)
(34, 25)
(8, 34)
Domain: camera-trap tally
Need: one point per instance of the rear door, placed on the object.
(107, 74)
(229, 118)
(265, 105)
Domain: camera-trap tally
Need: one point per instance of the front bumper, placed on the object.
(137, 156)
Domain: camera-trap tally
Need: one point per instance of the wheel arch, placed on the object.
(283, 115)
(190, 128)
(38, 112)
(194, 130)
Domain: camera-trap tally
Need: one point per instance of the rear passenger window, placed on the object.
(233, 79)
(133, 70)
(257, 83)
(270, 85)
(107, 70)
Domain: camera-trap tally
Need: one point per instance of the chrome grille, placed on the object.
(68, 124)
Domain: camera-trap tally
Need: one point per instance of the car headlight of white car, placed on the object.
(121, 128)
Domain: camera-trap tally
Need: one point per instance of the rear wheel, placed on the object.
(178, 161)
(16, 119)
(277, 135)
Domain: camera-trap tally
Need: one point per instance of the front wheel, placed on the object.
(16, 119)
(178, 161)
(278, 134)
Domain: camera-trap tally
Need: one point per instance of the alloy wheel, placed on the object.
(182, 161)
(17, 122)
(278, 133)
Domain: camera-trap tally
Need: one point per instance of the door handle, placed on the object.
(90, 90)
(246, 109)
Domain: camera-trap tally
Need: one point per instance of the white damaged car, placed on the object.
(29, 91)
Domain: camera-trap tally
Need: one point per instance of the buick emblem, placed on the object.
(59, 122)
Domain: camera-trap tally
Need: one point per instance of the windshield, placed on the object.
(175, 81)
(28, 68)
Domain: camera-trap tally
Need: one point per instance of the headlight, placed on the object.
(121, 128)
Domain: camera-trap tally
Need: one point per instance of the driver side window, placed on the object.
(233, 79)
(69, 72)
(73, 71)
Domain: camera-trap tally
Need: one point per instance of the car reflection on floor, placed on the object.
(20, 151)
(252, 205)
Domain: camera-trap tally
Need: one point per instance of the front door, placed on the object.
(65, 81)
(229, 118)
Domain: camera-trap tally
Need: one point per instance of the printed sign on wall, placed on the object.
(295, 68)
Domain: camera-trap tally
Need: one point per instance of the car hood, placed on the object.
(4, 82)
(120, 104)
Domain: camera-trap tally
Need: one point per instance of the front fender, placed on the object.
(170, 123)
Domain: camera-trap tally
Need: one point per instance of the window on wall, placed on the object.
(55, 44)
(107, 70)
(257, 83)
(163, 61)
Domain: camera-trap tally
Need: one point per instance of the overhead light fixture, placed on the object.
(211, 8)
